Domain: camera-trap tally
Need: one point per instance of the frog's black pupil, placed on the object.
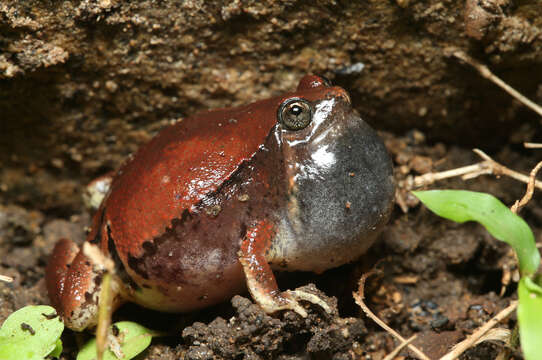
(295, 114)
(296, 110)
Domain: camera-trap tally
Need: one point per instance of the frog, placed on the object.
(215, 203)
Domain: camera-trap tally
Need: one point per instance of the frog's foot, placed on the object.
(74, 285)
(271, 303)
(260, 279)
(289, 300)
(312, 298)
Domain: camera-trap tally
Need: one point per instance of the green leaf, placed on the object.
(30, 333)
(133, 339)
(530, 318)
(499, 221)
(57, 350)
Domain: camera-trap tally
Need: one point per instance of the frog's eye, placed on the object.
(295, 113)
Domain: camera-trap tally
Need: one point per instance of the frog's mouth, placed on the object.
(340, 189)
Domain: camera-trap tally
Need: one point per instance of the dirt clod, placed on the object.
(252, 331)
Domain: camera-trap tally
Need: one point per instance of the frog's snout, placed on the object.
(338, 93)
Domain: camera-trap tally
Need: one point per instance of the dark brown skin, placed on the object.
(211, 203)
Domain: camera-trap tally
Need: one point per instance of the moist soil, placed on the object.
(84, 83)
(433, 278)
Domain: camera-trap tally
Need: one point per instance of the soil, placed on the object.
(84, 83)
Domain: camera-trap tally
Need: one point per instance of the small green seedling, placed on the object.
(132, 338)
(31, 333)
(503, 224)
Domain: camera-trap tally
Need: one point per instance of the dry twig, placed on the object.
(496, 334)
(430, 178)
(105, 303)
(472, 339)
(488, 166)
(486, 73)
(499, 169)
(6, 278)
(507, 270)
(529, 192)
(530, 145)
(360, 295)
(396, 351)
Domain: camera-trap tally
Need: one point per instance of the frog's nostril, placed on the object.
(346, 97)
(338, 92)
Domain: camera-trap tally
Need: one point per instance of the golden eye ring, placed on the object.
(295, 113)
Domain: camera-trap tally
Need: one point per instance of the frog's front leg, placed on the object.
(261, 282)
(74, 285)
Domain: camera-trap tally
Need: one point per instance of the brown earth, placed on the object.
(83, 83)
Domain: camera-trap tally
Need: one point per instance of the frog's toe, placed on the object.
(309, 297)
(290, 300)
(280, 301)
(293, 304)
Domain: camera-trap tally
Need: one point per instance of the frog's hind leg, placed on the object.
(57, 268)
(74, 285)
